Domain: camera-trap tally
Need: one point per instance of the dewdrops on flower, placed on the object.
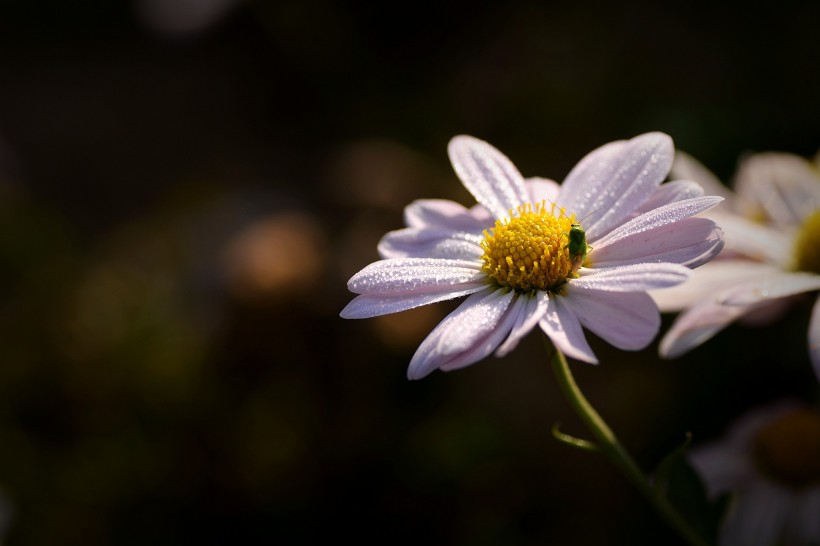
(523, 259)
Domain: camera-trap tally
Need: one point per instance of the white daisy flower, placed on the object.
(522, 258)
(772, 252)
(770, 463)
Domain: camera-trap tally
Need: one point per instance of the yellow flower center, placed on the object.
(530, 251)
(788, 449)
(807, 246)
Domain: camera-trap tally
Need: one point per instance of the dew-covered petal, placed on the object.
(400, 276)
(466, 335)
(670, 192)
(708, 280)
(614, 180)
(667, 214)
(441, 213)
(697, 325)
(686, 167)
(814, 337)
(488, 174)
(627, 320)
(376, 305)
(755, 240)
(542, 189)
(758, 515)
(776, 285)
(632, 278)
(691, 242)
(532, 308)
(564, 330)
(431, 242)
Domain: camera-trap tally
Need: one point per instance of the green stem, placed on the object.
(610, 447)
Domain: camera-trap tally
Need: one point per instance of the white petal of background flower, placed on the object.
(487, 174)
(627, 320)
(619, 183)
(690, 242)
(786, 185)
(564, 330)
(755, 240)
(696, 325)
(632, 278)
(414, 276)
(776, 285)
(722, 466)
(758, 516)
(466, 335)
(709, 280)
(804, 524)
(688, 168)
(814, 337)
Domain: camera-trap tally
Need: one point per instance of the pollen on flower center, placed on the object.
(807, 246)
(788, 449)
(529, 251)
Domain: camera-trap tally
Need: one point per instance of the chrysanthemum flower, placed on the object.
(772, 252)
(770, 463)
(533, 253)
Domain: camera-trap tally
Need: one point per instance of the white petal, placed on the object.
(758, 517)
(755, 240)
(786, 185)
(564, 330)
(542, 189)
(722, 467)
(431, 242)
(708, 280)
(441, 213)
(814, 337)
(776, 285)
(696, 325)
(399, 276)
(488, 174)
(806, 517)
(632, 278)
(687, 167)
(377, 305)
(627, 320)
(466, 335)
(671, 192)
(532, 308)
(667, 214)
(615, 180)
(690, 242)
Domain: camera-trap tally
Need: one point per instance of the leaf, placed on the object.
(680, 484)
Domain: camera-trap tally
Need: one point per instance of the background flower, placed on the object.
(770, 462)
(772, 252)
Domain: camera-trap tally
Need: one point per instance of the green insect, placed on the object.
(577, 245)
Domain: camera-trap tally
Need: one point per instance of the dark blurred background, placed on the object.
(186, 186)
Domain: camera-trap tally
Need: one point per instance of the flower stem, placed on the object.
(611, 448)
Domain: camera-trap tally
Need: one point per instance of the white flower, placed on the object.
(770, 462)
(772, 252)
(512, 255)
